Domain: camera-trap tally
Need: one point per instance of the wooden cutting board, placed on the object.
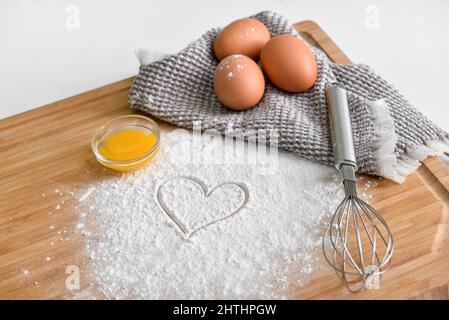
(49, 147)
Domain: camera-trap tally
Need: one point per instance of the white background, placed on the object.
(45, 57)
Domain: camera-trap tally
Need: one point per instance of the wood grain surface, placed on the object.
(49, 147)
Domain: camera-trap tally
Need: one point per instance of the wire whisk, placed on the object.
(358, 243)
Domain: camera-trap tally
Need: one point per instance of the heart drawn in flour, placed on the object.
(191, 206)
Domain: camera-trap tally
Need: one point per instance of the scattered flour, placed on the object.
(259, 248)
(86, 194)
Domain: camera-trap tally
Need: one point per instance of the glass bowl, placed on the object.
(122, 123)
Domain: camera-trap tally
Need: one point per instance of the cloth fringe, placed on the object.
(390, 166)
(146, 56)
(385, 139)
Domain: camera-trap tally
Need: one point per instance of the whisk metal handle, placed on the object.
(340, 123)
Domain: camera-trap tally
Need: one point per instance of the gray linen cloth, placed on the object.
(390, 136)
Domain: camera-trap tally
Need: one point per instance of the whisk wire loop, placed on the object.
(358, 243)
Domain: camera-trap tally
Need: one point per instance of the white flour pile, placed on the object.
(259, 248)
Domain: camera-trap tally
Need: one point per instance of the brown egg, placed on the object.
(245, 36)
(239, 83)
(289, 63)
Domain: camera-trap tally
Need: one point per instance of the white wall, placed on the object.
(43, 59)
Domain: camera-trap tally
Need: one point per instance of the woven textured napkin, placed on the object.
(390, 136)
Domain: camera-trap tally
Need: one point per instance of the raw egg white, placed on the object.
(239, 83)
